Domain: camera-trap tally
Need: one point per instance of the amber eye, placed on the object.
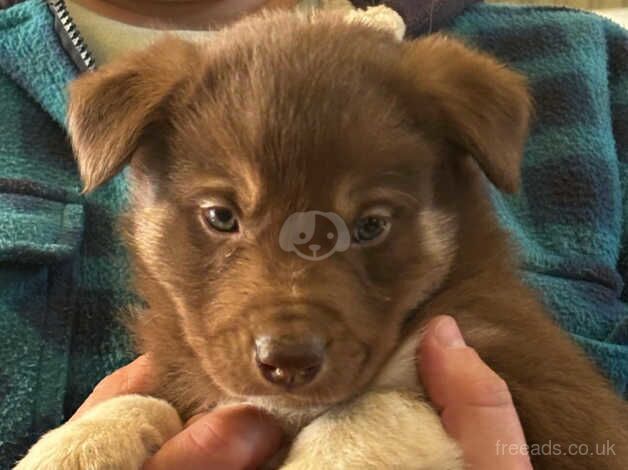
(221, 219)
(370, 229)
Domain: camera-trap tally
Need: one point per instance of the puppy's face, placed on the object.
(294, 260)
(285, 190)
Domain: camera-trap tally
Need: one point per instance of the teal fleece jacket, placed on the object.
(64, 273)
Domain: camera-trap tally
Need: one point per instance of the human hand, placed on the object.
(233, 437)
(474, 403)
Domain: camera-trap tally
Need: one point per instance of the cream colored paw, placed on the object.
(381, 430)
(118, 434)
(381, 17)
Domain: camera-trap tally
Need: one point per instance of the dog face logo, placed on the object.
(314, 235)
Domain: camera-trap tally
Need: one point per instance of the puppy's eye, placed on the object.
(370, 229)
(221, 219)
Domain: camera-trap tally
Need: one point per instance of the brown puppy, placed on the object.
(282, 115)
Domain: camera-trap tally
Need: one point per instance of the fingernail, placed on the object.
(142, 361)
(448, 334)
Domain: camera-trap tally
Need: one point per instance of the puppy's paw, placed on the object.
(391, 430)
(119, 434)
(381, 17)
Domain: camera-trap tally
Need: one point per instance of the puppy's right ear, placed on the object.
(111, 108)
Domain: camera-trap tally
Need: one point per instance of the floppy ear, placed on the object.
(111, 108)
(473, 101)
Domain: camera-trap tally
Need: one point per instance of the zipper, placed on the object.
(70, 37)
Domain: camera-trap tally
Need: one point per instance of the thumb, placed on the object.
(233, 437)
(474, 402)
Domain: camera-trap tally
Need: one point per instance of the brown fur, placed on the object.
(279, 115)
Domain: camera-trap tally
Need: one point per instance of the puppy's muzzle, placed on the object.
(289, 362)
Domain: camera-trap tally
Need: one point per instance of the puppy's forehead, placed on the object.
(303, 167)
(292, 128)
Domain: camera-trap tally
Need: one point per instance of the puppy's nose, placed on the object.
(289, 362)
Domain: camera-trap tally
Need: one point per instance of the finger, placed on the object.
(235, 437)
(475, 403)
(194, 419)
(135, 377)
(449, 367)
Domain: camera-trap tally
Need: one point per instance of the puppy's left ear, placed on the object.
(471, 100)
(111, 108)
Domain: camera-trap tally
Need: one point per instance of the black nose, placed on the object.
(289, 362)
